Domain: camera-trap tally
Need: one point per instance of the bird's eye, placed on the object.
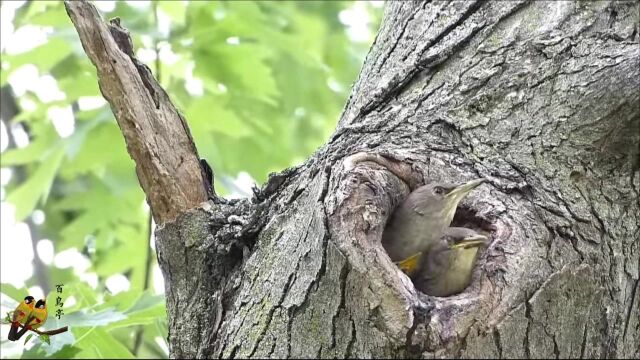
(438, 190)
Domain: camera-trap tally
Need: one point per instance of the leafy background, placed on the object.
(261, 84)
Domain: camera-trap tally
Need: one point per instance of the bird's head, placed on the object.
(442, 198)
(462, 238)
(41, 304)
(449, 264)
(29, 300)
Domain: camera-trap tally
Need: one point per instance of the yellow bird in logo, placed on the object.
(20, 314)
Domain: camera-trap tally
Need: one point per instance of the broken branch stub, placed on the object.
(157, 136)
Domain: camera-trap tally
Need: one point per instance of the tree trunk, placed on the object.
(541, 99)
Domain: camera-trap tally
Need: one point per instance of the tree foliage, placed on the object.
(261, 85)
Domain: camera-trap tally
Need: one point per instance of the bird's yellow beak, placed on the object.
(471, 241)
(461, 190)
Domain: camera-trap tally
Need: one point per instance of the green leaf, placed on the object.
(67, 351)
(116, 259)
(85, 131)
(122, 301)
(148, 309)
(145, 317)
(45, 339)
(60, 344)
(209, 115)
(76, 76)
(113, 210)
(29, 337)
(25, 14)
(26, 196)
(85, 318)
(36, 150)
(241, 68)
(97, 343)
(51, 17)
(35, 352)
(44, 57)
(13, 292)
(145, 302)
(57, 275)
(175, 10)
(81, 83)
(85, 296)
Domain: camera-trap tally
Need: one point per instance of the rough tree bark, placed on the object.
(541, 99)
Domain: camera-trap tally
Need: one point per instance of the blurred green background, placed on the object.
(261, 84)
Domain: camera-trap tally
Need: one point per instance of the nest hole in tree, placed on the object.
(467, 217)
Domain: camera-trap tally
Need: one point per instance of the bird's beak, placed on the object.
(461, 190)
(471, 241)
